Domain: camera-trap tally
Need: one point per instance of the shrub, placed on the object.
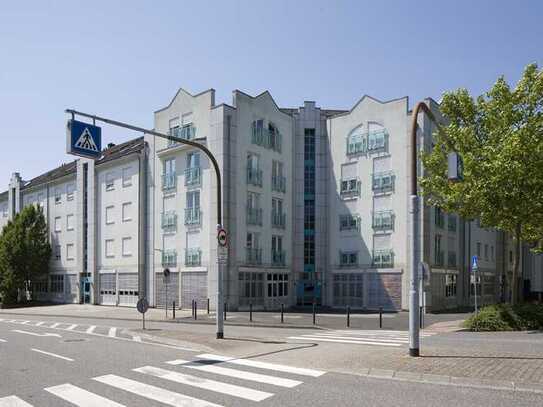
(504, 317)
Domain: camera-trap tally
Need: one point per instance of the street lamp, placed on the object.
(220, 272)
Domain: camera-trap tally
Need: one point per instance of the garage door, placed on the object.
(108, 289)
(194, 287)
(128, 289)
(167, 291)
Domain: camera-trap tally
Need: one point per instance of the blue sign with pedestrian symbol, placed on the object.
(474, 264)
(83, 139)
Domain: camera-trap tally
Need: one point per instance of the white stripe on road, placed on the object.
(81, 397)
(136, 338)
(52, 354)
(369, 342)
(152, 392)
(24, 322)
(112, 332)
(238, 374)
(379, 332)
(40, 323)
(71, 327)
(353, 338)
(3, 340)
(212, 385)
(35, 334)
(13, 401)
(90, 329)
(55, 325)
(264, 365)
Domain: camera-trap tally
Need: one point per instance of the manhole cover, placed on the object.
(74, 340)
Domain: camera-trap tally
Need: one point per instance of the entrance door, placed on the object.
(85, 289)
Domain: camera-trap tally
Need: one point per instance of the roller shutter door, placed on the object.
(171, 290)
(128, 289)
(108, 289)
(194, 287)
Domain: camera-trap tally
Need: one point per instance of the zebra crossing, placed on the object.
(362, 337)
(269, 376)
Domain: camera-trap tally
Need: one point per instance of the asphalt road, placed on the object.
(44, 366)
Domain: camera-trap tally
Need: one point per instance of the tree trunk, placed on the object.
(516, 265)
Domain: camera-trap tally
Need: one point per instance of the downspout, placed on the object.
(142, 197)
(226, 200)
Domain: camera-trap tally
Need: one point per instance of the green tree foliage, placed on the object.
(499, 136)
(24, 252)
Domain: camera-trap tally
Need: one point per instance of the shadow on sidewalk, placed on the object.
(481, 357)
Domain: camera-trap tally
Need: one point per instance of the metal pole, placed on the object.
(166, 304)
(314, 306)
(225, 311)
(195, 310)
(250, 312)
(143, 316)
(173, 309)
(208, 306)
(220, 274)
(414, 333)
(282, 311)
(381, 317)
(348, 316)
(475, 288)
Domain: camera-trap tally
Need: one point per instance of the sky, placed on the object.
(126, 59)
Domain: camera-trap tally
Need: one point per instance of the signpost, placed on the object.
(166, 282)
(83, 139)
(142, 307)
(474, 267)
(222, 259)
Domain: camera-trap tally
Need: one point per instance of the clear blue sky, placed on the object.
(126, 59)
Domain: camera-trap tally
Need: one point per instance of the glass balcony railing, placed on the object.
(192, 216)
(254, 216)
(377, 140)
(383, 220)
(253, 255)
(383, 258)
(169, 220)
(279, 183)
(350, 188)
(383, 182)
(169, 258)
(267, 138)
(169, 182)
(192, 176)
(278, 258)
(193, 257)
(278, 220)
(185, 132)
(254, 176)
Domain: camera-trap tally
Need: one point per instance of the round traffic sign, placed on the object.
(142, 306)
(222, 237)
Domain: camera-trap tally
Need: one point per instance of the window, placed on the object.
(349, 222)
(348, 259)
(57, 252)
(309, 250)
(58, 195)
(274, 138)
(110, 181)
(479, 249)
(127, 176)
(57, 283)
(486, 252)
(278, 180)
(70, 188)
(278, 255)
(110, 250)
(452, 223)
(383, 258)
(254, 211)
(438, 253)
(439, 218)
(348, 289)
(254, 253)
(257, 136)
(70, 222)
(251, 287)
(192, 172)
(58, 226)
(383, 182)
(254, 173)
(277, 284)
(41, 199)
(350, 187)
(383, 220)
(127, 211)
(450, 285)
(70, 251)
(377, 140)
(492, 253)
(278, 217)
(357, 142)
(192, 210)
(110, 217)
(169, 166)
(127, 246)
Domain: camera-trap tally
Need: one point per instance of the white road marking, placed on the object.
(212, 385)
(3, 340)
(35, 334)
(152, 392)
(264, 365)
(13, 401)
(81, 397)
(24, 322)
(301, 338)
(112, 332)
(238, 374)
(40, 323)
(136, 338)
(52, 354)
(354, 338)
(71, 327)
(90, 329)
(55, 325)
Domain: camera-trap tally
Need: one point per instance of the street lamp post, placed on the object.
(219, 316)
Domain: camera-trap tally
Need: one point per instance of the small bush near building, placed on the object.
(504, 317)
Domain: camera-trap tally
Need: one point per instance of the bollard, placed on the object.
(250, 312)
(225, 311)
(380, 317)
(282, 312)
(348, 316)
(195, 310)
(208, 306)
(421, 316)
(192, 308)
(173, 309)
(314, 309)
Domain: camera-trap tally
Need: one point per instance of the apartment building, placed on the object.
(315, 202)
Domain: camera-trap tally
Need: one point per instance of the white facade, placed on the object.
(314, 201)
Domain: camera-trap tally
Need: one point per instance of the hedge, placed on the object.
(504, 317)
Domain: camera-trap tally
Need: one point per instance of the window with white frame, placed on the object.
(127, 211)
(58, 195)
(58, 226)
(70, 251)
(450, 285)
(57, 252)
(70, 189)
(56, 283)
(348, 258)
(110, 181)
(277, 284)
(70, 220)
(110, 248)
(110, 215)
(127, 246)
(349, 222)
(127, 177)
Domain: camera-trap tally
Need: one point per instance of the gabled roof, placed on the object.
(185, 91)
(265, 93)
(59, 172)
(373, 99)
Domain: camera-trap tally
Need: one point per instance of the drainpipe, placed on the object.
(142, 224)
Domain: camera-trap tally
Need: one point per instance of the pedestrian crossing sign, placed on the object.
(83, 139)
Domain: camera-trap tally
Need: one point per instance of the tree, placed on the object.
(24, 252)
(499, 136)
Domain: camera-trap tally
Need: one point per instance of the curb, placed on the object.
(255, 325)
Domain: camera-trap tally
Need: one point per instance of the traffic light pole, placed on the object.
(220, 324)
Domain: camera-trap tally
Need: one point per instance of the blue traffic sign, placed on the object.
(83, 139)
(474, 263)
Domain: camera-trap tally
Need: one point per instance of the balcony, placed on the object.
(439, 258)
(193, 216)
(350, 188)
(259, 137)
(383, 220)
(451, 259)
(254, 176)
(348, 259)
(267, 138)
(278, 258)
(169, 258)
(279, 183)
(193, 257)
(383, 182)
(169, 182)
(253, 255)
(383, 258)
(169, 220)
(349, 222)
(254, 216)
(192, 176)
(356, 144)
(275, 140)
(377, 140)
(185, 132)
(278, 220)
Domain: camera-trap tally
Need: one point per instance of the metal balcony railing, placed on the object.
(254, 176)
(279, 220)
(254, 216)
(193, 216)
(192, 176)
(169, 258)
(169, 182)
(193, 257)
(383, 220)
(383, 258)
(253, 255)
